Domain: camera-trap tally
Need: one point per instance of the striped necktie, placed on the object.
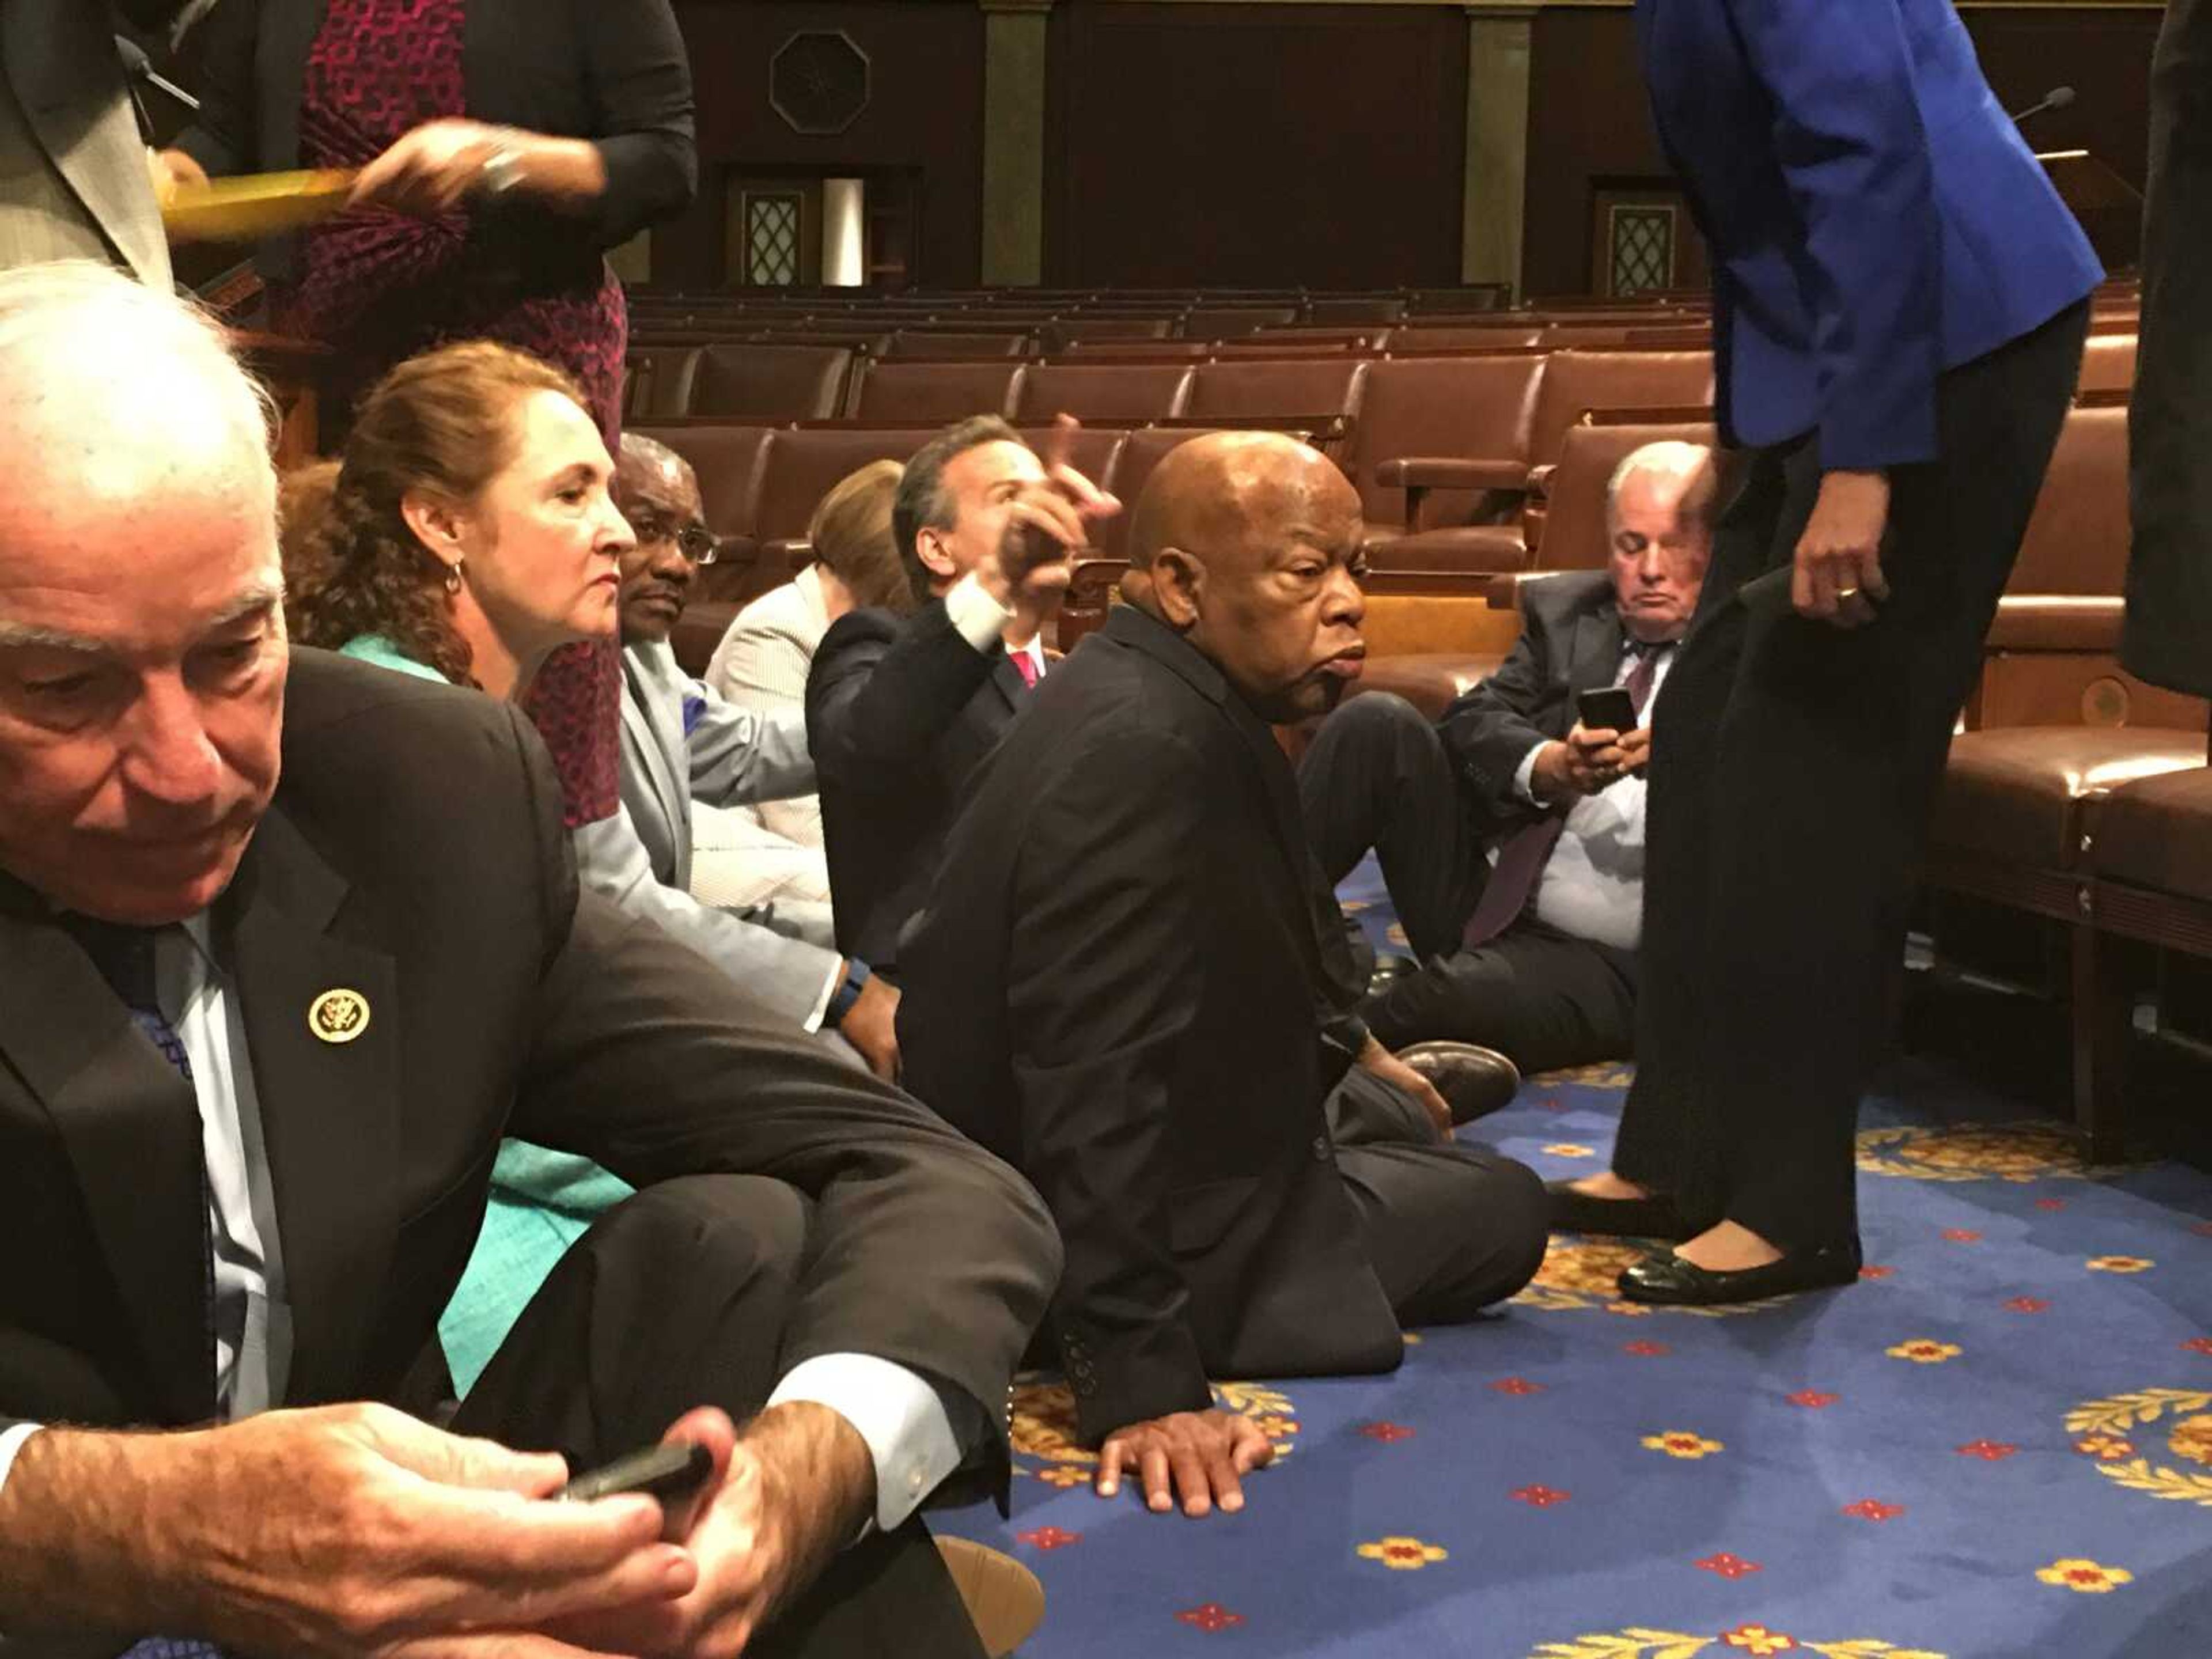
(124, 956)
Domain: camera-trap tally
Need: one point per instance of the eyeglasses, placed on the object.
(694, 541)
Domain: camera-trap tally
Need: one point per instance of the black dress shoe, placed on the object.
(1665, 1280)
(1474, 1082)
(1618, 1217)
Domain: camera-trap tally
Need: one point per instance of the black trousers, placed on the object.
(1377, 775)
(678, 1298)
(1450, 1228)
(1781, 840)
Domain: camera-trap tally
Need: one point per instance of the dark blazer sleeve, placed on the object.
(1104, 982)
(932, 1253)
(222, 137)
(1848, 135)
(1490, 730)
(882, 692)
(639, 79)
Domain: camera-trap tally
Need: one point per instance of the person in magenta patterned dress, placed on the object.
(502, 147)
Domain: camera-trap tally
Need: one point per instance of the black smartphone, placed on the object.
(1609, 709)
(670, 1474)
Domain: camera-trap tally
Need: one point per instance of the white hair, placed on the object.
(1671, 459)
(94, 359)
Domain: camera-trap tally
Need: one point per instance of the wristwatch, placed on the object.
(842, 1000)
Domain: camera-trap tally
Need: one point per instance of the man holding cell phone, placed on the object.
(288, 943)
(1511, 835)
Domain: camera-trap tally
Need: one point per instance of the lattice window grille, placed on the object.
(1642, 239)
(772, 240)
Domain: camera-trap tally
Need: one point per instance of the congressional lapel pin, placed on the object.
(338, 1016)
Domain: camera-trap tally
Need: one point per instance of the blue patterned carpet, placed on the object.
(1999, 1444)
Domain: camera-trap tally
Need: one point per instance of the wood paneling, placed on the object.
(924, 113)
(1256, 144)
(1590, 125)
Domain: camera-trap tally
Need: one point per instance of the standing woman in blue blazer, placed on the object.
(1898, 310)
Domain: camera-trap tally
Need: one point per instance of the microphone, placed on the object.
(2056, 98)
(140, 67)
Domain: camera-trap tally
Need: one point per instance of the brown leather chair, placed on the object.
(1095, 451)
(1103, 392)
(1057, 335)
(1472, 412)
(919, 342)
(2108, 363)
(1419, 335)
(1265, 389)
(657, 381)
(761, 382)
(916, 392)
(1355, 309)
(1226, 322)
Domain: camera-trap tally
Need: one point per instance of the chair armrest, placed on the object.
(2056, 621)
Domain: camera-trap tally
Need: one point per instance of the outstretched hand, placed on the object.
(1199, 1456)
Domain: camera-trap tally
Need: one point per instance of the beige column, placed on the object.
(1498, 52)
(1013, 140)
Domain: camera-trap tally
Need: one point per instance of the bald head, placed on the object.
(142, 644)
(1248, 545)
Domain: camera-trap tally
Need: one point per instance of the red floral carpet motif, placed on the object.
(1730, 1566)
(2006, 1419)
(1209, 1617)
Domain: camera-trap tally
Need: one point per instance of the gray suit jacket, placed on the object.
(641, 858)
(59, 58)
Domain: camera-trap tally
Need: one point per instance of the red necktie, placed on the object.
(1025, 665)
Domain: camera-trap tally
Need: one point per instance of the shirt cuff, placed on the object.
(1524, 777)
(829, 990)
(907, 1421)
(975, 616)
(12, 1443)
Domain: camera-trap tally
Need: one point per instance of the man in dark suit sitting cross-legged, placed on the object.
(1128, 980)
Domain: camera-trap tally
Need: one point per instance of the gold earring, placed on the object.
(453, 575)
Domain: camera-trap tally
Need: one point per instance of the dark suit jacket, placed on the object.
(1874, 217)
(2168, 638)
(1114, 986)
(1570, 643)
(500, 1002)
(898, 715)
(614, 72)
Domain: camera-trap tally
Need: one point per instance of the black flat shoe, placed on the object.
(1619, 1217)
(1665, 1280)
(1474, 1082)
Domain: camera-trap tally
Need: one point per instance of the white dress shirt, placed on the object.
(979, 619)
(1592, 886)
(916, 1432)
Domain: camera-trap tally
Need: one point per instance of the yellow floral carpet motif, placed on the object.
(2112, 1432)
(1637, 1643)
(1972, 1151)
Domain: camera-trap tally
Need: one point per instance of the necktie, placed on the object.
(1521, 860)
(124, 956)
(1025, 665)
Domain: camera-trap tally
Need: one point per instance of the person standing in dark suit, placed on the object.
(2167, 637)
(1898, 310)
(899, 710)
(287, 945)
(1536, 957)
(1123, 982)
